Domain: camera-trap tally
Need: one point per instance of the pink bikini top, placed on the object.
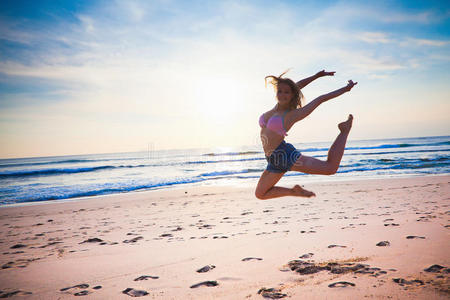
(275, 123)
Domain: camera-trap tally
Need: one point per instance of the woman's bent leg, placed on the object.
(266, 188)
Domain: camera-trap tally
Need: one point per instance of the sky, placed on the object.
(80, 77)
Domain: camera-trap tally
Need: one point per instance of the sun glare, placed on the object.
(218, 99)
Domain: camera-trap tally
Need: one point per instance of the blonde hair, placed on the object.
(298, 98)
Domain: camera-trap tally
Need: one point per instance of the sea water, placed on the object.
(67, 177)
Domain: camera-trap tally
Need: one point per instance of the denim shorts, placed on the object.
(283, 158)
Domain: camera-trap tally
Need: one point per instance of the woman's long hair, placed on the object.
(297, 99)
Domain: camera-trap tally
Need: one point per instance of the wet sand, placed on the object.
(374, 239)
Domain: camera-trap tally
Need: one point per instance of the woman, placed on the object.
(282, 156)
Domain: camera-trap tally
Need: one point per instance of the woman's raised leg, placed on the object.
(311, 165)
(337, 149)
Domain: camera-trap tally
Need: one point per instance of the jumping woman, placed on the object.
(281, 156)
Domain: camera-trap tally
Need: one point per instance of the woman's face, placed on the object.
(284, 94)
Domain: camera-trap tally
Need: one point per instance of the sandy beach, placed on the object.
(362, 239)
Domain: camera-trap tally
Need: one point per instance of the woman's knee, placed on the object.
(331, 169)
(259, 194)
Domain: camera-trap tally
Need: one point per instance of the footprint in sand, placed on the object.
(250, 258)
(50, 244)
(383, 244)
(409, 237)
(307, 255)
(437, 269)
(82, 286)
(134, 240)
(82, 293)
(145, 277)
(403, 282)
(341, 284)
(206, 268)
(207, 226)
(304, 268)
(166, 235)
(93, 240)
(271, 293)
(14, 293)
(334, 246)
(206, 283)
(20, 263)
(18, 246)
(134, 293)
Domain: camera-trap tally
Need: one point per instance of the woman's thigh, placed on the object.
(311, 165)
(267, 181)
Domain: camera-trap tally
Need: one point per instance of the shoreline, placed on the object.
(63, 178)
(246, 184)
(109, 242)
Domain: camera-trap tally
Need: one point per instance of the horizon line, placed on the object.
(199, 148)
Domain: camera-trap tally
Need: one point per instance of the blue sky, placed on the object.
(105, 76)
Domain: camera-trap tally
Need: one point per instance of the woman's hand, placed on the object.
(323, 73)
(350, 85)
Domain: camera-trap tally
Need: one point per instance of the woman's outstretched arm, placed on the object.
(303, 112)
(304, 82)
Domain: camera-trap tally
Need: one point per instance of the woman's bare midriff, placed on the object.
(270, 140)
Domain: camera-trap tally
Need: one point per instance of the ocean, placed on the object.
(67, 177)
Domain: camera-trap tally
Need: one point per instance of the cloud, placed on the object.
(133, 37)
(135, 11)
(87, 23)
(374, 37)
(426, 42)
(384, 38)
(373, 65)
(425, 17)
(9, 32)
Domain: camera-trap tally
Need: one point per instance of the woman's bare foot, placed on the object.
(301, 192)
(347, 125)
